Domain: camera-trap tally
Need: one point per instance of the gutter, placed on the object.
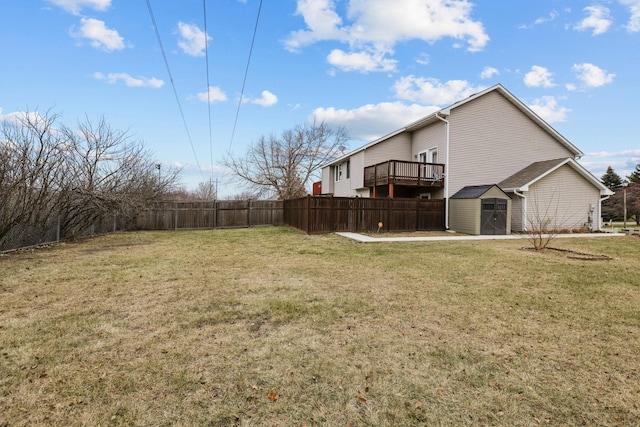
(446, 172)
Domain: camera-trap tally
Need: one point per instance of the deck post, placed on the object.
(391, 190)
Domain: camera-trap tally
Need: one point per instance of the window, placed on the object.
(433, 155)
(342, 169)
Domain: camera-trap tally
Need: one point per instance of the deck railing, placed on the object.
(416, 174)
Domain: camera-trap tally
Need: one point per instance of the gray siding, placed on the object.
(516, 213)
(490, 139)
(343, 187)
(433, 136)
(395, 148)
(357, 171)
(327, 180)
(562, 199)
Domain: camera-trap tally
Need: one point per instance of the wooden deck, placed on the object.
(399, 172)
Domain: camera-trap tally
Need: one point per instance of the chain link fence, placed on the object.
(26, 235)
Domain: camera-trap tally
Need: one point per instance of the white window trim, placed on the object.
(338, 172)
(430, 154)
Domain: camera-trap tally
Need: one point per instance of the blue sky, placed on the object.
(372, 66)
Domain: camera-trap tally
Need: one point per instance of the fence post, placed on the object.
(249, 213)
(176, 215)
(215, 214)
(308, 214)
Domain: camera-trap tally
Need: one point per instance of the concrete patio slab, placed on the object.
(362, 238)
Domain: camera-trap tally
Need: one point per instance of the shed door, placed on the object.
(494, 216)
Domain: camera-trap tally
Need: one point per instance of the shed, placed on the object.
(480, 209)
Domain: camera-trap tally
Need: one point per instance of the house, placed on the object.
(490, 138)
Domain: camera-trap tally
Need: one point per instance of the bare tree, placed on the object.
(75, 176)
(543, 220)
(109, 175)
(206, 191)
(284, 166)
(33, 168)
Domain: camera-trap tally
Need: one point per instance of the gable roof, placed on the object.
(474, 191)
(446, 111)
(528, 176)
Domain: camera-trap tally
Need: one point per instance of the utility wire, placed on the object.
(244, 81)
(175, 92)
(206, 55)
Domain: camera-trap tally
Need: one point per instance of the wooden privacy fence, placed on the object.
(217, 214)
(316, 215)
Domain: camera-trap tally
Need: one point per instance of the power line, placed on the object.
(244, 81)
(206, 54)
(175, 92)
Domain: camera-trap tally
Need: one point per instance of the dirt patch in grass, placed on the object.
(273, 327)
(568, 253)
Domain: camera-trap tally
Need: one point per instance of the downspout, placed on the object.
(602, 199)
(524, 208)
(446, 173)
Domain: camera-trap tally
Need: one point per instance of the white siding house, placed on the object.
(489, 138)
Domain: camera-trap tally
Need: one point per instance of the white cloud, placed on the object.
(130, 81)
(538, 77)
(322, 23)
(215, 94)
(99, 35)
(547, 107)
(599, 20)
(372, 121)
(592, 75)
(553, 15)
(361, 61)
(76, 6)
(375, 28)
(432, 91)
(268, 99)
(423, 59)
(634, 21)
(489, 72)
(18, 118)
(623, 153)
(193, 40)
(623, 161)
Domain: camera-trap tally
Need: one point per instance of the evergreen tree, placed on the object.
(611, 179)
(634, 178)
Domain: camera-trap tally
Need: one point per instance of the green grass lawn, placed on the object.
(270, 327)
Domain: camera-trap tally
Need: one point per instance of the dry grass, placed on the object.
(271, 327)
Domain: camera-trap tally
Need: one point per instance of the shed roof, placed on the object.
(473, 191)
